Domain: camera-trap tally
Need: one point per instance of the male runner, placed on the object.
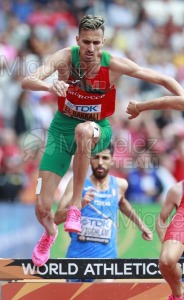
(102, 197)
(86, 97)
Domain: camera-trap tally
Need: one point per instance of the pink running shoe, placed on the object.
(72, 223)
(41, 252)
(171, 297)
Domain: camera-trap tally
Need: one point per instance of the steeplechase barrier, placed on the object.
(133, 279)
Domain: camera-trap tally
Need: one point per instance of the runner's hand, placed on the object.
(88, 197)
(59, 88)
(132, 110)
(147, 234)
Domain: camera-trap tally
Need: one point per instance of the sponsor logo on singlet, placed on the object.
(83, 112)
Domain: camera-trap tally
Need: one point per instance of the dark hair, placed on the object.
(111, 148)
(91, 23)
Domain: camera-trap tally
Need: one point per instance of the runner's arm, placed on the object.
(122, 66)
(58, 61)
(126, 208)
(134, 108)
(171, 202)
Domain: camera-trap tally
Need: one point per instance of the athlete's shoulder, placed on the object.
(62, 56)
(176, 189)
(122, 64)
(122, 183)
(105, 58)
(116, 59)
(175, 192)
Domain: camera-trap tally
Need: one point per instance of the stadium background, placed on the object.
(19, 232)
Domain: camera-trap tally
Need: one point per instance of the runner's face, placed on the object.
(101, 164)
(90, 42)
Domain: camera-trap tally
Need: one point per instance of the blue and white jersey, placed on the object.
(99, 224)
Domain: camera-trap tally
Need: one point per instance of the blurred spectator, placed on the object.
(165, 172)
(1, 122)
(23, 115)
(144, 185)
(119, 14)
(42, 41)
(12, 177)
(22, 9)
(65, 35)
(43, 105)
(166, 31)
(164, 118)
(52, 14)
(127, 139)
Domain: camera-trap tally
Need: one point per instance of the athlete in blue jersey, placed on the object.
(103, 195)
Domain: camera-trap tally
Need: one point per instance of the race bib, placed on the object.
(82, 112)
(95, 230)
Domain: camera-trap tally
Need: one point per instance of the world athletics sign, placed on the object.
(18, 269)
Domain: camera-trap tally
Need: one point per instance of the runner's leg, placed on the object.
(46, 186)
(45, 196)
(169, 267)
(86, 138)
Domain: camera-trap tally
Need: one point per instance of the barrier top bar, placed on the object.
(21, 269)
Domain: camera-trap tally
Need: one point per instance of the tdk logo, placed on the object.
(84, 108)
